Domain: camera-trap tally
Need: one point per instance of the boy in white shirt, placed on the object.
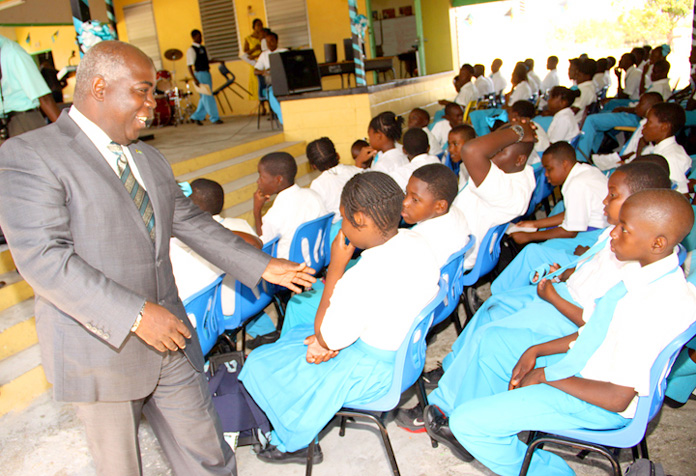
(526, 110)
(583, 187)
(262, 68)
(586, 70)
(551, 79)
(457, 137)
(484, 85)
(416, 149)
(420, 118)
(468, 91)
(500, 182)
(499, 81)
(631, 88)
(569, 388)
(660, 80)
(322, 156)
(563, 126)
(533, 78)
(454, 115)
(292, 207)
(429, 196)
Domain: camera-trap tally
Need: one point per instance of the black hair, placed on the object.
(647, 171)
(662, 65)
(359, 144)
(630, 56)
(553, 58)
(602, 65)
(652, 97)
(671, 113)
(561, 151)
(321, 153)
(520, 71)
(567, 95)
(465, 131)
(638, 53)
(273, 34)
(529, 62)
(588, 67)
(524, 109)
(256, 20)
(195, 32)
(421, 112)
(415, 142)
(376, 195)
(611, 62)
(467, 67)
(209, 194)
(388, 124)
(451, 107)
(442, 182)
(280, 163)
(479, 69)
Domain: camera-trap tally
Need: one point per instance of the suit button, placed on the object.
(106, 336)
(159, 263)
(161, 302)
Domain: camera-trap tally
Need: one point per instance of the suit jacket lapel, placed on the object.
(148, 177)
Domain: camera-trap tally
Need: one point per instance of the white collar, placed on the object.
(636, 277)
(665, 143)
(196, 44)
(95, 133)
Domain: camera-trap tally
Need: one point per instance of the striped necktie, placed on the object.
(136, 192)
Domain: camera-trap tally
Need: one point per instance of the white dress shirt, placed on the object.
(677, 158)
(377, 299)
(445, 234)
(611, 161)
(588, 95)
(467, 94)
(389, 161)
(499, 82)
(441, 131)
(329, 186)
(563, 127)
(534, 81)
(583, 192)
(484, 86)
(522, 92)
(403, 173)
(291, 208)
(435, 146)
(263, 62)
(632, 81)
(662, 87)
(550, 81)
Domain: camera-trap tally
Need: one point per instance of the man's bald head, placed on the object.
(107, 59)
(665, 212)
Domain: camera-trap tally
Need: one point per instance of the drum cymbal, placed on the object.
(173, 54)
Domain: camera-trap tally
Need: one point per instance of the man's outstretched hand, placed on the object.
(288, 274)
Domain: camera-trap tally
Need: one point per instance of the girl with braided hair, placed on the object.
(345, 355)
(383, 133)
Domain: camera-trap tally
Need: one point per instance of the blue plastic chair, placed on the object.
(408, 367)
(541, 191)
(309, 245)
(204, 306)
(452, 274)
(633, 434)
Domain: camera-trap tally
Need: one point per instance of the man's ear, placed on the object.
(521, 160)
(441, 207)
(98, 88)
(659, 244)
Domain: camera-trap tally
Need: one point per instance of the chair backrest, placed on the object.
(410, 358)
(204, 306)
(648, 405)
(467, 110)
(576, 140)
(452, 275)
(542, 189)
(274, 104)
(309, 243)
(229, 75)
(488, 254)
(247, 304)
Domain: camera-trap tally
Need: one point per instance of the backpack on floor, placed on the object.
(644, 467)
(243, 422)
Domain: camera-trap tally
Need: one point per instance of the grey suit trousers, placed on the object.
(182, 415)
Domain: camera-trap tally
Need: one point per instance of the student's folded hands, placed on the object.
(317, 353)
(522, 368)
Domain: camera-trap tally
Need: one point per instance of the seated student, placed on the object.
(457, 137)
(192, 272)
(499, 81)
(527, 308)
(599, 79)
(292, 207)
(586, 70)
(595, 384)
(300, 382)
(416, 149)
(357, 148)
(429, 196)
(521, 90)
(262, 68)
(383, 133)
(582, 186)
(551, 79)
(500, 181)
(597, 124)
(322, 156)
(526, 110)
(563, 127)
(631, 88)
(467, 92)
(573, 72)
(532, 77)
(454, 115)
(663, 121)
(660, 80)
(631, 178)
(484, 85)
(653, 56)
(420, 118)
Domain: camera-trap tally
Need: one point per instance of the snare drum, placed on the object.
(163, 111)
(164, 80)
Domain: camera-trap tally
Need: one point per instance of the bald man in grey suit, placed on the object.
(114, 336)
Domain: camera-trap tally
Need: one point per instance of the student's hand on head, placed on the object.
(522, 368)
(341, 253)
(529, 130)
(545, 290)
(364, 158)
(581, 250)
(288, 274)
(317, 353)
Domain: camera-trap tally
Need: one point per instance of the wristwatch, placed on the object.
(136, 324)
(519, 130)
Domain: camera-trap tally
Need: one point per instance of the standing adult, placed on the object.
(253, 43)
(199, 67)
(114, 335)
(23, 90)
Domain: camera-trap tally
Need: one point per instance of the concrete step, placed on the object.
(15, 291)
(17, 328)
(6, 261)
(21, 379)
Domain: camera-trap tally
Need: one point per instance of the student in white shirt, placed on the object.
(563, 127)
(600, 78)
(521, 90)
(484, 85)
(525, 110)
(262, 68)
(660, 80)
(655, 55)
(457, 137)
(429, 196)
(500, 182)
(551, 79)
(292, 207)
(322, 156)
(659, 305)
(586, 70)
(631, 88)
(664, 120)
(468, 91)
(454, 115)
(416, 149)
(499, 81)
(363, 317)
(420, 118)
(383, 133)
(583, 187)
(533, 78)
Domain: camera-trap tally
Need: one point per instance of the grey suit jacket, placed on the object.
(78, 240)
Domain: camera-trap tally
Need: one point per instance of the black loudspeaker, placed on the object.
(348, 49)
(330, 54)
(294, 72)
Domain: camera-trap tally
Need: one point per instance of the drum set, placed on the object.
(173, 105)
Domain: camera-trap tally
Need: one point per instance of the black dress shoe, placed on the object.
(258, 341)
(272, 455)
(200, 123)
(219, 121)
(437, 426)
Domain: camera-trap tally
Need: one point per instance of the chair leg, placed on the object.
(383, 432)
(423, 401)
(644, 448)
(342, 429)
(228, 101)
(310, 457)
(454, 317)
(538, 442)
